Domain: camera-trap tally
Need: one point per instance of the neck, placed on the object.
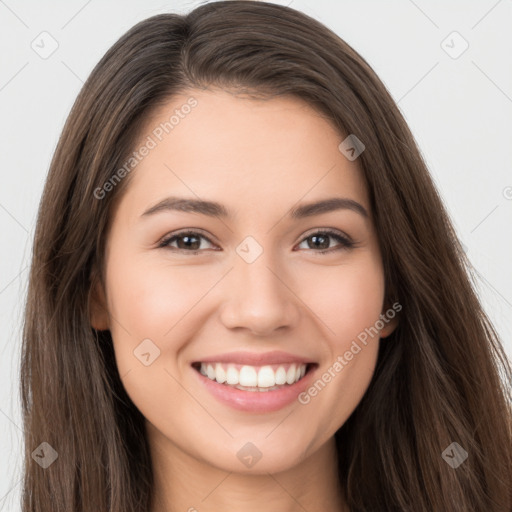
(184, 484)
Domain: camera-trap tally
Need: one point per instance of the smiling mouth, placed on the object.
(254, 378)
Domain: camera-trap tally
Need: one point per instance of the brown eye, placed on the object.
(188, 241)
(322, 240)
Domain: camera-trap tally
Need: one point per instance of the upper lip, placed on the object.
(255, 358)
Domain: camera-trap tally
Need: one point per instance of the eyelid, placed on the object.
(328, 231)
(344, 239)
(193, 231)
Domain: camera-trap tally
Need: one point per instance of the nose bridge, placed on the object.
(257, 297)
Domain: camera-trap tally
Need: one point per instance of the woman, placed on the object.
(246, 292)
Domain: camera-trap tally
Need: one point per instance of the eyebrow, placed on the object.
(214, 209)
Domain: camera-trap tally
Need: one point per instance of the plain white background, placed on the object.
(459, 108)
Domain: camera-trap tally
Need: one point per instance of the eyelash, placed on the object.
(345, 242)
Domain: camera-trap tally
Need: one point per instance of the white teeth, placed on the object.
(248, 376)
(220, 374)
(280, 376)
(266, 377)
(290, 375)
(263, 378)
(232, 375)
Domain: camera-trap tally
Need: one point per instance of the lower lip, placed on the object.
(256, 401)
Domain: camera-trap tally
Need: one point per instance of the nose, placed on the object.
(259, 298)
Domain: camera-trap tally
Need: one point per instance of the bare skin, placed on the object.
(259, 159)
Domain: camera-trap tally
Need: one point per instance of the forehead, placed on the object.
(243, 152)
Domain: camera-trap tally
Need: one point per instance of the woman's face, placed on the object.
(242, 286)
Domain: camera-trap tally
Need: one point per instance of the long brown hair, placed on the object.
(441, 377)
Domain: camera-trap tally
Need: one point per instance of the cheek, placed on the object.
(346, 298)
(149, 298)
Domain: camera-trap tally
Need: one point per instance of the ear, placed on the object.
(389, 317)
(98, 311)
